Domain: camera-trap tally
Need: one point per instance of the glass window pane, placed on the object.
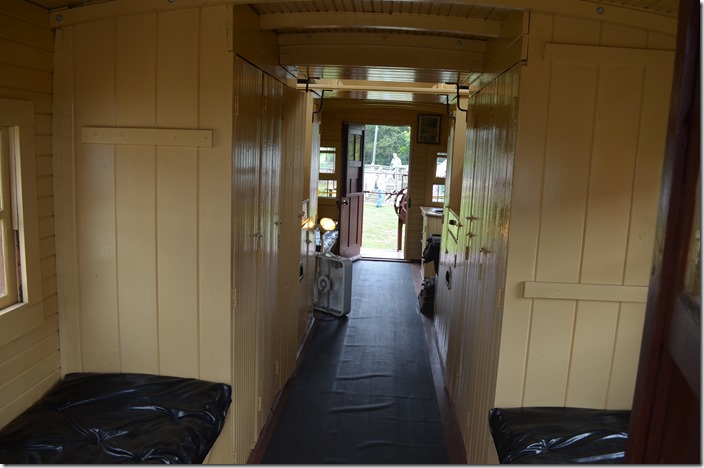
(438, 193)
(327, 188)
(440, 167)
(327, 160)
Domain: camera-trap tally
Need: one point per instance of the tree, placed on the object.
(389, 140)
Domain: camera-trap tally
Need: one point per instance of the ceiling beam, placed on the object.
(377, 39)
(381, 86)
(401, 21)
(586, 9)
(380, 56)
(575, 8)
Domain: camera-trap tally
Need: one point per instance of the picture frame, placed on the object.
(428, 129)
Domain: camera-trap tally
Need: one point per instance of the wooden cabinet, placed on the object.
(432, 224)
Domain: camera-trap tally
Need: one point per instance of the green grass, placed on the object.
(380, 227)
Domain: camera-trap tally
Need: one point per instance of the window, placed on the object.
(9, 293)
(438, 193)
(21, 299)
(327, 177)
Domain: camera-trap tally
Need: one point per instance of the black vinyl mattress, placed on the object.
(119, 418)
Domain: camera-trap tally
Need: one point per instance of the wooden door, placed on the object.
(665, 421)
(351, 201)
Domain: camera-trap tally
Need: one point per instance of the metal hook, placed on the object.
(320, 109)
(458, 97)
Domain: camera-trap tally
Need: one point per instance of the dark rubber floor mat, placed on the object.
(364, 392)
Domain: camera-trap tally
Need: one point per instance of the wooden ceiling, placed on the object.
(402, 50)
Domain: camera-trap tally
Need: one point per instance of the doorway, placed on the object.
(386, 162)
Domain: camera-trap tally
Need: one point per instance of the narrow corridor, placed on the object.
(367, 389)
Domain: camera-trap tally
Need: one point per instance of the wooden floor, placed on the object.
(452, 433)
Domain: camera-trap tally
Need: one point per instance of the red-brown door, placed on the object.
(665, 421)
(351, 201)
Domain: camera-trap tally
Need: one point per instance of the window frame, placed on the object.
(434, 180)
(328, 176)
(28, 313)
(9, 267)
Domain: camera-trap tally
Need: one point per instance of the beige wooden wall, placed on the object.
(271, 188)
(474, 259)
(144, 228)
(590, 137)
(270, 310)
(422, 155)
(592, 128)
(29, 362)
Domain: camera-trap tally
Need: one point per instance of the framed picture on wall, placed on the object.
(428, 129)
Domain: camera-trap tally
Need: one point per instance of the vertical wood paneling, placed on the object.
(615, 133)
(135, 70)
(646, 184)
(64, 167)
(135, 175)
(177, 262)
(487, 177)
(293, 249)
(177, 69)
(95, 198)
(592, 352)
(245, 229)
(582, 135)
(135, 179)
(270, 218)
(152, 223)
(214, 181)
(567, 162)
(177, 194)
(625, 356)
(549, 353)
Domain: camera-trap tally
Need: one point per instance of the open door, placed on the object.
(665, 421)
(351, 200)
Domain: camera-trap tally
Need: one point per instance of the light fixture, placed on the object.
(327, 224)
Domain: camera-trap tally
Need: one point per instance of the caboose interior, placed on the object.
(167, 180)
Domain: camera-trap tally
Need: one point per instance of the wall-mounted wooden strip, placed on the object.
(614, 55)
(584, 292)
(147, 136)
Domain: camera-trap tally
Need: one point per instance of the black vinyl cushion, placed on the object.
(119, 418)
(556, 435)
